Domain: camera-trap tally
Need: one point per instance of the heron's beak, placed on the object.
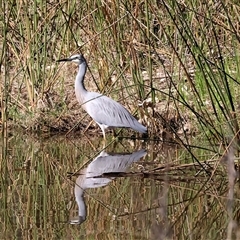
(64, 60)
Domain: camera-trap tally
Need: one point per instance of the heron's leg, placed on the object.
(103, 130)
(104, 136)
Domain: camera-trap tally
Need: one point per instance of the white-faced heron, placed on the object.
(103, 110)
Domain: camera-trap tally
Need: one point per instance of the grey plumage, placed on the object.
(103, 110)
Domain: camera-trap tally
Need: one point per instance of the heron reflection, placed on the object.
(90, 177)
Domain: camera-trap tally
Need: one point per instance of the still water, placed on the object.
(70, 188)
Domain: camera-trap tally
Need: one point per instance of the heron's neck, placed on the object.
(80, 89)
(80, 201)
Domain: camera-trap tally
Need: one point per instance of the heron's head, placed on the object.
(78, 58)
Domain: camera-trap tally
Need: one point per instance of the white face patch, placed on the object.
(78, 58)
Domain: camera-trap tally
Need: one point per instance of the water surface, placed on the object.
(66, 188)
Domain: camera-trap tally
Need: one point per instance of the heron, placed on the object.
(106, 112)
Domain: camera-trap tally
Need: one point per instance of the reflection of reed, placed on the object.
(90, 177)
(161, 228)
(228, 159)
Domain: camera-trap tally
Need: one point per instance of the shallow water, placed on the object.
(65, 188)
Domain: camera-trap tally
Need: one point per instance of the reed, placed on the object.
(177, 60)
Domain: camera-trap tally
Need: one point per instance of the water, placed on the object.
(65, 188)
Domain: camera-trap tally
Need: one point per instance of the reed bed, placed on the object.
(177, 60)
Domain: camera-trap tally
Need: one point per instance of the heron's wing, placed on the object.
(106, 111)
(115, 162)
